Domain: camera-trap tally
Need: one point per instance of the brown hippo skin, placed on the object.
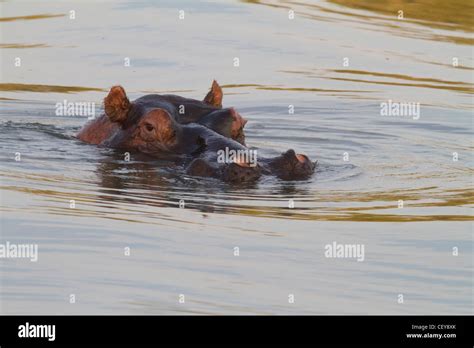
(120, 113)
(159, 124)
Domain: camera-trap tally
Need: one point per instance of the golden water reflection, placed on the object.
(143, 194)
(455, 16)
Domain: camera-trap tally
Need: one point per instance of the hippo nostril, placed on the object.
(302, 158)
(290, 153)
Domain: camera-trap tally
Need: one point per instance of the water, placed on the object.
(190, 251)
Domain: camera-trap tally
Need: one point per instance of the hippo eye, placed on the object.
(148, 127)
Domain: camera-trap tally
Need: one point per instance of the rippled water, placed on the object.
(366, 162)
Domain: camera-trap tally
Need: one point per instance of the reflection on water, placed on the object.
(389, 79)
(451, 15)
(22, 87)
(28, 18)
(22, 45)
(138, 185)
(400, 186)
(435, 14)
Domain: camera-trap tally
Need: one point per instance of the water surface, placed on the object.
(367, 163)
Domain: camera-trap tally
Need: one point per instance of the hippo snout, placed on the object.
(292, 166)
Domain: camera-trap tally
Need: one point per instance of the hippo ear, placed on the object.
(116, 104)
(214, 97)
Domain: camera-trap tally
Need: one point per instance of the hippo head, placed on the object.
(149, 130)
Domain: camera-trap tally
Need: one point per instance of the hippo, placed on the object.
(210, 138)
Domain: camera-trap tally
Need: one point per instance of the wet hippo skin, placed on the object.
(120, 112)
(200, 130)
